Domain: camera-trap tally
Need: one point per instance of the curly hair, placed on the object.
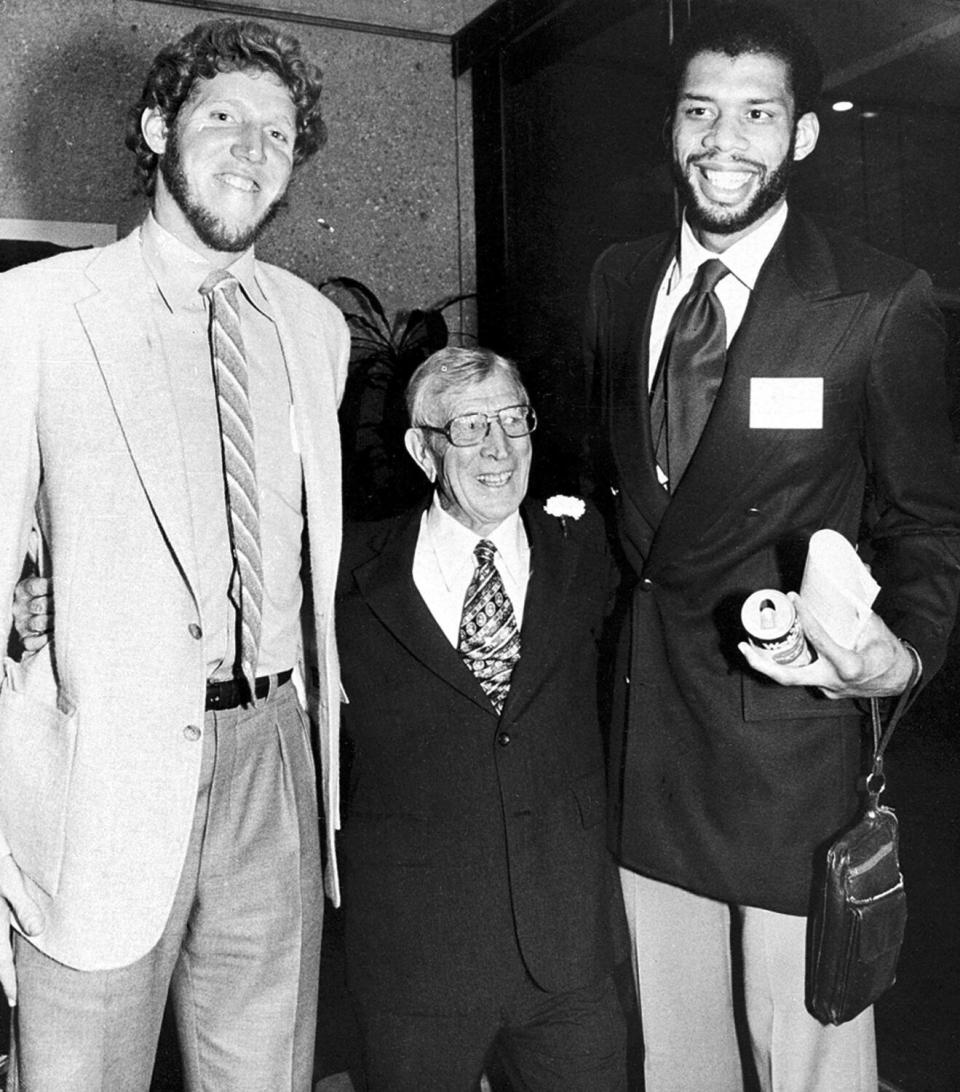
(225, 45)
(752, 26)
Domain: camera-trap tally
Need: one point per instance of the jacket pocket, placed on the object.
(37, 747)
(764, 699)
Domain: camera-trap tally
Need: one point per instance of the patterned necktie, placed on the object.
(489, 641)
(689, 373)
(239, 466)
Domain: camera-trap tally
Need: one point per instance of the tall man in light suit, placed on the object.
(481, 905)
(158, 811)
(825, 359)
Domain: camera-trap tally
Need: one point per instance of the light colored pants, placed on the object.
(687, 983)
(240, 951)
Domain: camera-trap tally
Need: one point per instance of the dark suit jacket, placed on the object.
(467, 835)
(728, 782)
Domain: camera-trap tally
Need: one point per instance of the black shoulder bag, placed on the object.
(860, 909)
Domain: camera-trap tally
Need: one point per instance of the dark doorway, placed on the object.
(569, 109)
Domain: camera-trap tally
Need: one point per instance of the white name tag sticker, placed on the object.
(786, 403)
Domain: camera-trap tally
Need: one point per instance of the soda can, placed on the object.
(771, 622)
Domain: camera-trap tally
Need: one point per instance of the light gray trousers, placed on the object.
(240, 952)
(684, 972)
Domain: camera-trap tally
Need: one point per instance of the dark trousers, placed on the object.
(544, 1042)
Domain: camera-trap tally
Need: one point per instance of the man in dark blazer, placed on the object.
(481, 904)
(830, 413)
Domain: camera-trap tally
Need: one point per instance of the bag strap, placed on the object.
(881, 735)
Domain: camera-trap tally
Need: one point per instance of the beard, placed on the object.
(210, 228)
(719, 221)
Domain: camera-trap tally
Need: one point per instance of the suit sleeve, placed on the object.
(19, 469)
(19, 457)
(913, 510)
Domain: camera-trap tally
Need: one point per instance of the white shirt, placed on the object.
(181, 317)
(444, 564)
(743, 259)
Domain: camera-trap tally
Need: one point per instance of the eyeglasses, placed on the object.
(470, 429)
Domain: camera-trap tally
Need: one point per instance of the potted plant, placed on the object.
(379, 478)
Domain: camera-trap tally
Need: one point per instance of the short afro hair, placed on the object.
(748, 26)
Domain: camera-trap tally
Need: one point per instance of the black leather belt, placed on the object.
(233, 692)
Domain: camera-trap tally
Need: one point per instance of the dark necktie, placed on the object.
(239, 466)
(689, 373)
(489, 641)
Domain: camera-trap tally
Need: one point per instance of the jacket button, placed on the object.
(191, 733)
(504, 739)
(646, 584)
(195, 631)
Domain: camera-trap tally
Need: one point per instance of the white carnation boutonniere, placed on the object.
(565, 508)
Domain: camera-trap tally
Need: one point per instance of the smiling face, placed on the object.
(479, 486)
(735, 140)
(225, 162)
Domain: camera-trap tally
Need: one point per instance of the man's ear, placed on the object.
(808, 129)
(419, 450)
(153, 126)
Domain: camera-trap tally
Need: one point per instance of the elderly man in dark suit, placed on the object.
(825, 360)
(481, 904)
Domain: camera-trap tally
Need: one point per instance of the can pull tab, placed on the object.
(768, 615)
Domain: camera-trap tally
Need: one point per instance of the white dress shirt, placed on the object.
(181, 317)
(743, 259)
(444, 564)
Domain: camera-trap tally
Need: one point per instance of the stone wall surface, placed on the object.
(394, 181)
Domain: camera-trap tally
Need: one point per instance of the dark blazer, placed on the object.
(467, 835)
(729, 782)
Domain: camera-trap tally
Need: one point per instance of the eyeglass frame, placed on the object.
(530, 418)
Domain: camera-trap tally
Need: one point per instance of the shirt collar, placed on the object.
(744, 259)
(179, 271)
(453, 544)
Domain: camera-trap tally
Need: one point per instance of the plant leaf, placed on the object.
(365, 296)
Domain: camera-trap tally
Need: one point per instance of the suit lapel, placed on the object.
(135, 371)
(627, 398)
(553, 558)
(312, 378)
(386, 583)
(312, 385)
(795, 321)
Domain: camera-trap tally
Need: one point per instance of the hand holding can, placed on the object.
(771, 622)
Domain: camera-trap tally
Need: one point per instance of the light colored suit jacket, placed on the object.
(98, 773)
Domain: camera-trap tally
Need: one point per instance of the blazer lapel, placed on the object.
(795, 320)
(627, 398)
(553, 558)
(386, 583)
(312, 377)
(135, 371)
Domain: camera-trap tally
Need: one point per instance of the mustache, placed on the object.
(707, 160)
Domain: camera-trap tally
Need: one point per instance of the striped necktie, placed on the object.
(489, 641)
(239, 466)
